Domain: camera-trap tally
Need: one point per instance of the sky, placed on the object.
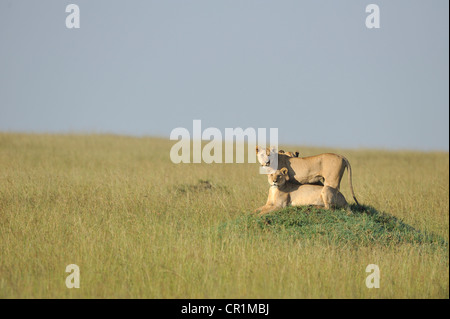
(312, 69)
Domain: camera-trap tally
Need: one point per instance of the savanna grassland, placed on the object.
(139, 226)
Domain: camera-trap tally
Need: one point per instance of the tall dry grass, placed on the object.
(139, 226)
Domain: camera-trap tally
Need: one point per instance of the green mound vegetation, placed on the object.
(358, 225)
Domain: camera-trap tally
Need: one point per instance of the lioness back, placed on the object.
(327, 167)
(312, 195)
(307, 195)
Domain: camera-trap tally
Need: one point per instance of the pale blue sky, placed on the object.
(310, 68)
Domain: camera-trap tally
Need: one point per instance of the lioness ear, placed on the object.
(257, 149)
(296, 154)
(284, 171)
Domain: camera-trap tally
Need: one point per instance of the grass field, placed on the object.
(139, 226)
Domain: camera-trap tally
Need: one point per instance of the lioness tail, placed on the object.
(350, 178)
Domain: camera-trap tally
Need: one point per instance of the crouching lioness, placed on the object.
(282, 194)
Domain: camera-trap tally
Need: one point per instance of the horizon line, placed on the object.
(159, 136)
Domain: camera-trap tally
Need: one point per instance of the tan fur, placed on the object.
(327, 168)
(290, 154)
(283, 193)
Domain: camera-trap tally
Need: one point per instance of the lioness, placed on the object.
(282, 194)
(327, 168)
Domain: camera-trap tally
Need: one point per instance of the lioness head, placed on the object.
(267, 155)
(263, 155)
(278, 178)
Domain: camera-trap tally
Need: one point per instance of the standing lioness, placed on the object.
(282, 194)
(327, 168)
